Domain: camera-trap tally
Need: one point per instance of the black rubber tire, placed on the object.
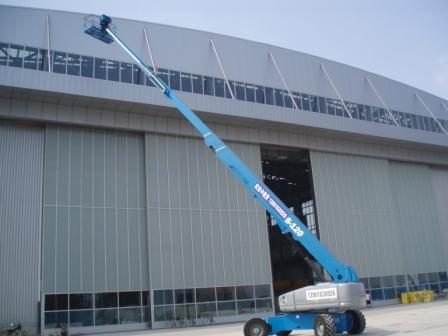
(358, 322)
(324, 325)
(257, 327)
(284, 333)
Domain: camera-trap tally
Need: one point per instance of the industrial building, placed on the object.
(115, 216)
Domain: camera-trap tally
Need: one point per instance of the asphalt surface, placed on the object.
(422, 319)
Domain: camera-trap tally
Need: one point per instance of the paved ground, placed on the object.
(422, 319)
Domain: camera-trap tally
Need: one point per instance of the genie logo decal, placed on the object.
(278, 209)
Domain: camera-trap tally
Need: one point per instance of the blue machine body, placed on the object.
(305, 321)
(284, 217)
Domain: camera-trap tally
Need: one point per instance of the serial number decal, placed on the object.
(320, 294)
(278, 209)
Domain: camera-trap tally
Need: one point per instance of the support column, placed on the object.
(283, 79)
(48, 43)
(432, 114)
(336, 90)
(221, 67)
(149, 50)
(382, 101)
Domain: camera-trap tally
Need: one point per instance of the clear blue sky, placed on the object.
(406, 40)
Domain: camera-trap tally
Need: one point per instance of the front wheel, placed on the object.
(324, 325)
(358, 322)
(256, 327)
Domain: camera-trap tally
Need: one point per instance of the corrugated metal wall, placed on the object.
(372, 210)
(440, 186)
(205, 230)
(94, 230)
(21, 160)
(417, 217)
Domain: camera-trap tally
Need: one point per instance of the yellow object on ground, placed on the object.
(418, 296)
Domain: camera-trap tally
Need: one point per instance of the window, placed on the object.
(232, 87)
(3, 53)
(244, 292)
(81, 318)
(226, 308)
(269, 95)
(408, 120)
(330, 106)
(262, 291)
(138, 76)
(250, 93)
(259, 94)
(362, 112)
(371, 112)
(43, 60)
(400, 280)
(73, 64)
(322, 104)
(184, 296)
(86, 66)
(113, 72)
(163, 297)
(264, 305)
(129, 299)
(197, 84)
(219, 87)
(81, 301)
(126, 72)
(56, 302)
(225, 293)
(388, 281)
(55, 319)
(106, 316)
(164, 74)
(100, 68)
(175, 80)
(297, 99)
(375, 282)
(339, 109)
(278, 97)
(206, 310)
(382, 113)
(246, 307)
(432, 125)
(205, 294)
(16, 53)
(414, 121)
(313, 103)
(287, 99)
(305, 102)
(29, 59)
(106, 300)
(60, 62)
(185, 81)
(375, 113)
(147, 80)
(240, 91)
(208, 86)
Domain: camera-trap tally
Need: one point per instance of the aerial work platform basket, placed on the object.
(96, 26)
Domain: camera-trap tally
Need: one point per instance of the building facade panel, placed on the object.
(417, 217)
(382, 217)
(94, 237)
(440, 186)
(21, 167)
(204, 227)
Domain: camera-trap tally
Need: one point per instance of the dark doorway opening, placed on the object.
(287, 172)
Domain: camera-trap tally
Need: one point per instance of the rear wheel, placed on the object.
(256, 327)
(324, 325)
(358, 322)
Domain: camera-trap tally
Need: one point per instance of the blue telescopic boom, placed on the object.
(286, 220)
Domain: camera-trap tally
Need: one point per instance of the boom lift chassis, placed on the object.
(327, 307)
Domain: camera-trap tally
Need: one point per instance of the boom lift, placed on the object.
(328, 307)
